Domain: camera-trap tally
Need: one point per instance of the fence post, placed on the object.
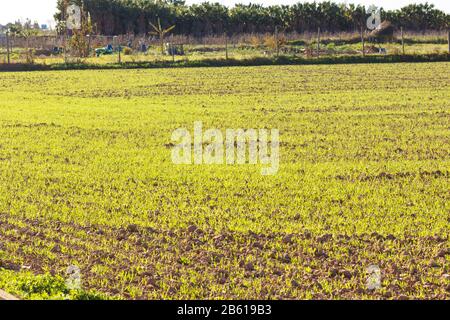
(7, 47)
(448, 40)
(226, 46)
(173, 51)
(118, 48)
(172, 48)
(363, 42)
(65, 45)
(403, 41)
(89, 45)
(318, 42)
(276, 41)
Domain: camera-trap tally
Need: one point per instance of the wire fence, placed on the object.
(19, 49)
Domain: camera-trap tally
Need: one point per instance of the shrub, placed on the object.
(127, 51)
(255, 41)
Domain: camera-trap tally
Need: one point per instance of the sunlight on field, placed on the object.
(86, 178)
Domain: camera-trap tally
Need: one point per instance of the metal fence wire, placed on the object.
(19, 49)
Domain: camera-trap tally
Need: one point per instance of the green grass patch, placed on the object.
(257, 61)
(27, 286)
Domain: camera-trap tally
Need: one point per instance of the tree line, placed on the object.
(114, 17)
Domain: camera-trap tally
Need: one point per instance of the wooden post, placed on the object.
(448, 40)
(403, 41)
(65, 36)
(7, 47)
(118, 49)
(363, 42)
(65, 31)
(226, 46)
(172, 49)
(89, 45)
(276, 41)
(318, 42)
(65, 46)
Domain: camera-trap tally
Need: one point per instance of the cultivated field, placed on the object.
(86, 179)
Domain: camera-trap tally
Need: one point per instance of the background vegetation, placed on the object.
(113, 17)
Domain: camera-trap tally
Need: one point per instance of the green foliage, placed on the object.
(241, 61)
(126, 16)
(127, 51)
(26, 285)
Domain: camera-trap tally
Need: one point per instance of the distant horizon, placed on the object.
(42, 11)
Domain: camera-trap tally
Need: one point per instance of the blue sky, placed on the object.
(43, 10)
